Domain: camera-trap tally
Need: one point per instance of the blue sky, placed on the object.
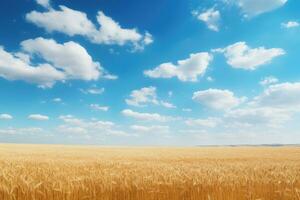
(149, 72)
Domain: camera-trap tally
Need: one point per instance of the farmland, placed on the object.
(148, 173)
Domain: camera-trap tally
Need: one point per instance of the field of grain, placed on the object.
(47, 172)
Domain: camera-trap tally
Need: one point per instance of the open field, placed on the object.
(80, 172)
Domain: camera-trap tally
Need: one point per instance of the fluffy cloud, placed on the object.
(63, 61)
(268, 81)
(38, 117)
(70, 57)
(73, 22)
(66, 20)
(217, 99)
(98, 107)
(209, 122)
(240, 55)
(73, 125)
(282, 95)
(252, 8)
(146, 95)
(6, 116)
(185, 70)
(290, 24)
(210, 17)
(146, 116)
(14, 68)
(143, 96)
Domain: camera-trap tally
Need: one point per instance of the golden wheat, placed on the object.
(48, 172)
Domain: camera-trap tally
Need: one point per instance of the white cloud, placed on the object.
(13, 68)
(217, 99)
(73, 125)
(38, 117)
(146, 116)
(185, 70)
(143, 96)
(257, 116)
(66, 20)
(210, 17)
(98, 107)
(240, 55)
(252, 8)
(44, 3)
(70, 57)
(154, 129)
(290, 24)
(73, 22)
(60, 62)
(186, 110)
(110, 32)
(6, 116)
(282, 95)
(209, 122)
(167, 104)
(268, 81)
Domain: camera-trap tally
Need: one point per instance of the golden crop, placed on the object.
(47, 172)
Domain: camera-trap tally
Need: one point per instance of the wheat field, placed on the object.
(48, 172)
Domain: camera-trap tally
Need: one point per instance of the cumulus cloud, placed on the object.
(60, 62)
(14, 68)
(210, 17)
(268, 81)
(282, 95)
(145, 96)
(217, 99)
(69, 57)
(98, 107)
(146, 116)
(142, 97)
(185, 70)
(251, 8)
(73, 22)
(290, 24)
(38, 117)
(6, 116)
(240, 55)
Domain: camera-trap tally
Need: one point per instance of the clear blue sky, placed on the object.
(150, 72)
